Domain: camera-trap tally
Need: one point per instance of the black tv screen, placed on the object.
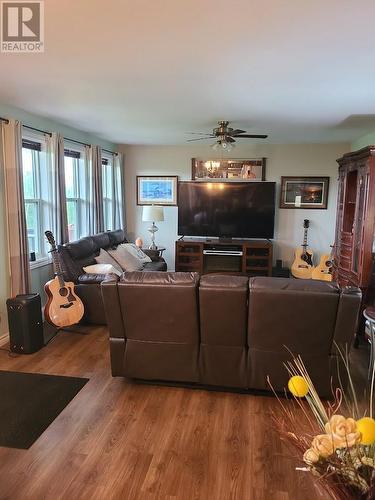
(226, 209)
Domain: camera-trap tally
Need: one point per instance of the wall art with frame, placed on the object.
(157, 189)
(304, 192)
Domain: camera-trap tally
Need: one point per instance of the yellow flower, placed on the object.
(323, 445)
(310, 456)
(298, 386)
(343, 431)
(366, 426)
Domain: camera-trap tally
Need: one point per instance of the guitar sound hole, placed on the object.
(63, 292)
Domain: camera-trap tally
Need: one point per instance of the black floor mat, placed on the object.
(30, 402)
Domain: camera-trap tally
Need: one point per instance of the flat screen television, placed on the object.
(226, 209)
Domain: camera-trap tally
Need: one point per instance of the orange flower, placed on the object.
(323, 445)
(343, 431)
(310, 456)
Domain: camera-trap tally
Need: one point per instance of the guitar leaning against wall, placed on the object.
(303, 265)
(324, 270)
(64, 307)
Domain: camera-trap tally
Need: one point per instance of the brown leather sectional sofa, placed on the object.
(226, 331)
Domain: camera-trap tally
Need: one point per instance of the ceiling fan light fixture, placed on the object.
(223, 145)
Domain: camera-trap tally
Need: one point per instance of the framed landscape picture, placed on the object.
(157, 190)
(304, 192)
(242, 170)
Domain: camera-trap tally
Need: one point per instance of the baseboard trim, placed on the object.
(4, 338)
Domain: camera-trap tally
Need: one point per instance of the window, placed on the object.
(76, 188)
(35, 186)
(108, 192)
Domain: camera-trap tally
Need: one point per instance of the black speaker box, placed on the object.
(279, 271)
(25, 323)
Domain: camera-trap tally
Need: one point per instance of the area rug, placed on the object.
(30, 402)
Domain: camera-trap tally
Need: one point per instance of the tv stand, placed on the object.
(247, 257)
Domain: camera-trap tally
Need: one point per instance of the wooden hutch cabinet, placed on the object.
(354, 242)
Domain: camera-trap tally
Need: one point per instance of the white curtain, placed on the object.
(96, 219)
(119, 192)
(59, 222)
(11, 159)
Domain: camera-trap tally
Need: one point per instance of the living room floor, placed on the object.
(121, 440)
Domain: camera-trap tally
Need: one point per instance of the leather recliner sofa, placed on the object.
(81, 253)
(228, 331)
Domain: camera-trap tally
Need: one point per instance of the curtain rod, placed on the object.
(50, 134)
(85, 144)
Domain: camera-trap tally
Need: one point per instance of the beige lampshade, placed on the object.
(152, 213)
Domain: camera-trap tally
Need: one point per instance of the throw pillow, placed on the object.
(102, 269)
(137, 252)
(126, 259)
(105, 258)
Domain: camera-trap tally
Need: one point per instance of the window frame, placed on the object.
(37, 145)
(108, 159)
(80, 187)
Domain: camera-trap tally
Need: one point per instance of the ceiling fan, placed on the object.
(225, 136)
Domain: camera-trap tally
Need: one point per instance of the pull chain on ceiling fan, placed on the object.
(225, 136)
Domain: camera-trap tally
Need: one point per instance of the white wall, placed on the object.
(301, 159)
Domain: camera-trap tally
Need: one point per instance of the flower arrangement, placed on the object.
(335, 440)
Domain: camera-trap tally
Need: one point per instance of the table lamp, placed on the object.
(152, 213)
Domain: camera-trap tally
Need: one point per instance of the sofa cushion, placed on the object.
(82, 248)
(101, 240)
(136, 252)
(105, 258)
(102, 269)
(159, 265)
(293, 285)
(127, 260)
(89, 278)
(117, 237)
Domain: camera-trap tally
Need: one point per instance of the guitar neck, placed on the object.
(57, 267)
(304, 245)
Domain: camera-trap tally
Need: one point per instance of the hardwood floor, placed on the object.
(120, 440)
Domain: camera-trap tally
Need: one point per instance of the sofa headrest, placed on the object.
(223, 282)
(117, 237)
(292, 285)
(81, 248)
(160, 278)
(101, 240)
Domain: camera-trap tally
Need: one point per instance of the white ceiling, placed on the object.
(149, 71)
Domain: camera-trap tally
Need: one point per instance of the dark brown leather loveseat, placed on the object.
(78, 254)
(226, 330)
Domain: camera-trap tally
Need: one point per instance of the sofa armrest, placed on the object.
(89, 278)
(347, 317)
(153, 254)
(111, 300)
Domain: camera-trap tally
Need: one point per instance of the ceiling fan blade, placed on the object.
(237, 131)
(200, 133)
(228, 138)
(199, 139)
(251, 136)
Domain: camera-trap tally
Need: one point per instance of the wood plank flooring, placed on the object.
(120, 440)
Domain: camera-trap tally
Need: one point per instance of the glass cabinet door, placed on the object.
(359, 219)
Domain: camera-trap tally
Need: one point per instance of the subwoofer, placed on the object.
(25, 323)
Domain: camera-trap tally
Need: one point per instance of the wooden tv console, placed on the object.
(248, 257)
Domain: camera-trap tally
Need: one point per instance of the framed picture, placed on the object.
(242, 170)
(157, 190)
(304, 192)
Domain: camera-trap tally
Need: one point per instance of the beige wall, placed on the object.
(302, 159)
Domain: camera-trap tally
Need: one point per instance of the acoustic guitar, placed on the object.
(64, 307)
(324, 270)
(303, 264)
